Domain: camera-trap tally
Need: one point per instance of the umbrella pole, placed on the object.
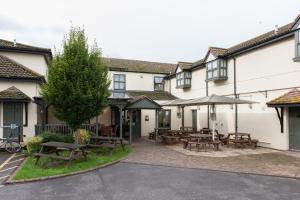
(213, 121)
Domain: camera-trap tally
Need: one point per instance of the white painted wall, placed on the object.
(136, 81)
(35, 62)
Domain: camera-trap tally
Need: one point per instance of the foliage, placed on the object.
(82, 137)
(29, 170)
(48, 136)
(34, 144)
(77, 86)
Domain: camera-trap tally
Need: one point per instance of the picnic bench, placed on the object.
(48, 148)
(169, 139)
(241, 140)
(104, 141)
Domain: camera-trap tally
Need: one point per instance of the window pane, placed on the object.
(122, 86)
(209, 75)
(215, 73)
(215, 64)
(122, 78)
(298, 49)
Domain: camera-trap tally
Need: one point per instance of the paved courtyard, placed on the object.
(268, 162)
(138, 181)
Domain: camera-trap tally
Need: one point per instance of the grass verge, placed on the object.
(29, 170)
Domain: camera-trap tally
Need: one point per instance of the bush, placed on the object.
(82, 136)
(34, 144)
(53, 137)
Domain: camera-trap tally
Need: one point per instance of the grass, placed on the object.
(29, 170)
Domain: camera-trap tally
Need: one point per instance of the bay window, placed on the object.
(183, 79)
(216, 70)
(297, 38)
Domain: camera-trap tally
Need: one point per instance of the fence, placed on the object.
(64, 129)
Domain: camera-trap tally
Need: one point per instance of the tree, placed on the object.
(77, 85)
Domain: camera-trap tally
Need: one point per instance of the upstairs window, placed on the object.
(183, 79)
(119, 82)
(297, 37)
(158, 83)
(216, 70)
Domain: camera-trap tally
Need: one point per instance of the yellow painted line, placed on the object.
(15, 161)
(18, 155)
(8, 168)
(5, 162)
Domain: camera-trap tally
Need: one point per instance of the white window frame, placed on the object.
(159, 86)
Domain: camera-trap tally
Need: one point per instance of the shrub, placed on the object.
(54, 137)
(34, 144)
(82, 136)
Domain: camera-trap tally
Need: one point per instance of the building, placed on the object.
(22, 71)
(264, 69)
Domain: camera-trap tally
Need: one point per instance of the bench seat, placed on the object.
(51, 156)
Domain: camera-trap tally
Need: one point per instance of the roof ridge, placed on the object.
(22, 66)
(22, 44)
(139, 60)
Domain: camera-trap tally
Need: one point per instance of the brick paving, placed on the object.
(273, 163)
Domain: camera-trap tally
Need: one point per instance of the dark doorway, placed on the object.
(136, 124)
(164, 119)
(194, 119)
(294, 128)
(12, 114)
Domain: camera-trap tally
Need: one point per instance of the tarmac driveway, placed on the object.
(142, 182)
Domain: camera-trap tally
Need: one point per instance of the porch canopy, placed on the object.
(287, 100)
(211, 100)
(123, 101)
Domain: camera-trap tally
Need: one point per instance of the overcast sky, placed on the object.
(154, 30)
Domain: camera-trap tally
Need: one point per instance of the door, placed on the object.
(294, 128)
(194, 119)
(12, 114)
(136, 124)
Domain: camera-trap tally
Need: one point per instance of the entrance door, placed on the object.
(12, 114)
(294, 128)
(194, 119)
(136, 124)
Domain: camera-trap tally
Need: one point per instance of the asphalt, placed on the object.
(142, 182)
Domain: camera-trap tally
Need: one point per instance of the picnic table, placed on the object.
(241, 139)
(104, 141)
(200, 140)
(48, 148)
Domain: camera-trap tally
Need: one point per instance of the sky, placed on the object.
(152, 30)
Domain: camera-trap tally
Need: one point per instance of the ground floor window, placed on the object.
(164, 119)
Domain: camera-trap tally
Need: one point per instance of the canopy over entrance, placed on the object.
(287, 100)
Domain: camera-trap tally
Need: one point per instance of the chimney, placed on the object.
(15, 43)
(276, 29)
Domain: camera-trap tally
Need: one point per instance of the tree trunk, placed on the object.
(76, 136)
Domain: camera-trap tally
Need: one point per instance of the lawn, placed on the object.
(29, 170)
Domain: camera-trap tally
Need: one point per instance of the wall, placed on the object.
(35, 62)
(136, 81)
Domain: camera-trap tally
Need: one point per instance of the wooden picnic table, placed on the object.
(49, 147)
(201, 139)
(239, 139)
(104, 141)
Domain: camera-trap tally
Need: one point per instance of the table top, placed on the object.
(240, 134)
(105, 138)
(63, 145)
(201, 135)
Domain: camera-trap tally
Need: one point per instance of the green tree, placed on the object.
(77, 84)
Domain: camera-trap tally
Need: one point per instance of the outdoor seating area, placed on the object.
(204, 140)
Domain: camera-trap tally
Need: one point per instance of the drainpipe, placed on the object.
(206, 84)
(235, 95)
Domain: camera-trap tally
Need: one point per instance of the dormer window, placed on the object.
(297, 50)
(183, 79)
(216, 70)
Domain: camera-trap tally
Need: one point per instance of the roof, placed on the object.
(13, 94)
(184, 65)
(290, 98)
(5, 44)
(116, 64)
(223, 52)
(154, 95)
(209, 100)
(13, 70)
(142, 102)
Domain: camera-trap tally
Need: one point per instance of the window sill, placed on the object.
(183, 86)
(297, 59)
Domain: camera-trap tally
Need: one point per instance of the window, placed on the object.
(183, 79)
(297, 37)
(216, 70)
(119, 82)
(158, 83)
(164, 119)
